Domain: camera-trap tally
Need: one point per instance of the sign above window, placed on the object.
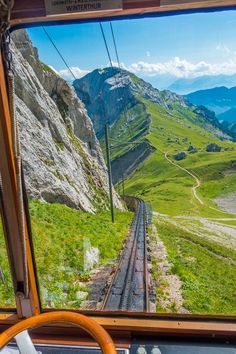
(55, 7)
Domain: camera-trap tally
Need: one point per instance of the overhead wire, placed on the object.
(59, 53)
(117, 58)
(106, 45)
(109, 57)
(125, 112)
(114, 42)
(118, 62)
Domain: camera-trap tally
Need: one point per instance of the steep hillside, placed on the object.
(165, 185)
(228, 119)
(121, 99)
(228, 116)
(222, 101)
(62, 158)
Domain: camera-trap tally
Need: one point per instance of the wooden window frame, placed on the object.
(22, 16)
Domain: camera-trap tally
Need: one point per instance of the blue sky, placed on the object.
(183, 46)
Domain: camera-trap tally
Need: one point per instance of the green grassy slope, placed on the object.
(6, 288)
(59, 234)
(168, 187)
(206, 269)
(201, 253)
(132, 125)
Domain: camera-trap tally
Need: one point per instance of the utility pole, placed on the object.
(123, 185)
(109, 171)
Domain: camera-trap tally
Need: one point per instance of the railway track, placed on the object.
(129, 287)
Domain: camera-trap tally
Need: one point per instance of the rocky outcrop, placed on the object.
(213, 148)
(62, 158)
(180, 156)
(104, 93)
(210, 122)
(107, 92)
(192, 149)
(124, 165)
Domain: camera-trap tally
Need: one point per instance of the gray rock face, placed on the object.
(106, 92)
(123, 166)
(192, 149)
(180, 156)
(213, 148)
(62, 158)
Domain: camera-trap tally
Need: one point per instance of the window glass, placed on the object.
(154, 100)
(6, 287)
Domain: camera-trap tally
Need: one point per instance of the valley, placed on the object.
(190, 165)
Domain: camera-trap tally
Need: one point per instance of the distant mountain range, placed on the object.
(221, 100)
(185, 86)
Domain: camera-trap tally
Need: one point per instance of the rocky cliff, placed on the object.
(62, 158)
(107, 92)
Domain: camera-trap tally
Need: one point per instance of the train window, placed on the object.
(128, 137)
(6, 288)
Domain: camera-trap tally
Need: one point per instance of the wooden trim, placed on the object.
(24, 14)
(25, 307)
(170, 327)
(150, 326)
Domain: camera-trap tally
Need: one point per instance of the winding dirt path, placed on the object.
(198, 182)
(194, 188)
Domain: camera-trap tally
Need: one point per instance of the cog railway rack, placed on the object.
(129, 287)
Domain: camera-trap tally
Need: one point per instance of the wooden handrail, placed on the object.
(88, 324)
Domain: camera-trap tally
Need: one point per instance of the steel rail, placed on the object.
(129, 287)
(130, 274)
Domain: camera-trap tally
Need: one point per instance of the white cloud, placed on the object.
(78, 73)
(183, 68)
(116, 64)
(180, 68)
(66, 74)
(148, 54)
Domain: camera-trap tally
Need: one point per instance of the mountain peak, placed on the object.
(107, 92)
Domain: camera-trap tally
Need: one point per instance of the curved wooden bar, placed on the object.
(89, 325)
